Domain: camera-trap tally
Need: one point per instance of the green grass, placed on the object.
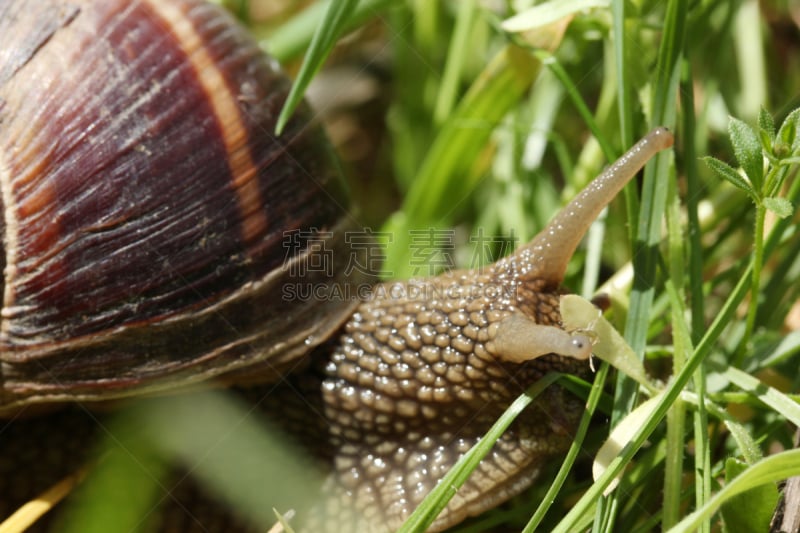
(716, 275)
(484, 129)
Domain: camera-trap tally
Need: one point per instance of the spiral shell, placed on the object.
(151, 215)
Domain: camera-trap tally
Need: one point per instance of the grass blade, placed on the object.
(437, 499)
(333, 24)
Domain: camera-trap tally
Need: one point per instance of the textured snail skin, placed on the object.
(425, 367)
(393, 390)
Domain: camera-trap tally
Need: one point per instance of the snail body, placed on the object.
(151, 220)
(436, 361)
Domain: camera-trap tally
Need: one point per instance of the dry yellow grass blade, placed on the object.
(29, 513)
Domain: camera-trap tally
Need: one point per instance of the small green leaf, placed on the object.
(787, 135)
(766, 140)
(747, 148)
(780, 206)
(751, 510)
(728, 173)
(766, 123)
(579, 314)
(795, 117)
(782, 465)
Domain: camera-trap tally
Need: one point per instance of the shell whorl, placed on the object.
(147, 202)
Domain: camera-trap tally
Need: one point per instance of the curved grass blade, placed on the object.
(336, 18)
(433, 504)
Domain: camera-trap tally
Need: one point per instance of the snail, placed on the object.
(151, 220)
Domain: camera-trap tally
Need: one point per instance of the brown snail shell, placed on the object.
(151, 216)
(148, 215)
